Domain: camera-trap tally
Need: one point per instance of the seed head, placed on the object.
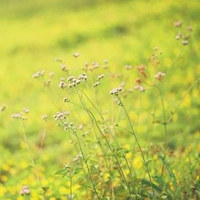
(36, 75)
(70, 85)
(70, 79)
(76, 55)
(62, 84)
(142, 70)
(114, 91)
(189, 28)
(47, 83)
(44, 117)
(138, 81)
(128, 67)
(64, 68)
(177, 23)
(78, 82)
(25, 190)
(100, 77)
(51, 74)
(178, 36)
(17, 116)
(140, 88)
(185, 42)
(97, 83)
(3, 107)
(105, 61)
(59, 116)
(160, 76)
(42, 73)
(119, 89)
(58, 60)
(25, 110)
(66, 99)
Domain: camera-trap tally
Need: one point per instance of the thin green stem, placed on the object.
(30, 153)
(164, 118)
(138, 144)
(130, 170)
(86, 163)
(108, 145)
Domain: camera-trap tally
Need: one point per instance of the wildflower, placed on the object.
(100, 76)
(142, 89)
(105, 61)
(59, 116)
(138, 81)
(178, 36)
(97, 83)
(141, 69)
(42, 73)
(47, 83)
(185, 42)
(3, 107)
(82, 77)
(62, 84)
(177, 23)
(70, 79)
(86, 64)
(128, 66)
(85, 78)
(36, 75)
(17, 116)
(74, 84)
(159, 76)
(119, 89)
(66, 166)
(80, 127)
(189, 28)
(73, 80)
(78, 82)
(58, 60)
(24, 118)
(78, 157)
(66, 99)
(139, 87)
(76, 55)
(63, 68)
(44, 117)
(115, 91)
(25, 110)
(95, 65)
(25, 190)
(51, 74)
(66, 112)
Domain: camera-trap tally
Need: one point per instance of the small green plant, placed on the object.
(104, 165)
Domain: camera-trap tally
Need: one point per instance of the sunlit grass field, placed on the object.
(126, 125)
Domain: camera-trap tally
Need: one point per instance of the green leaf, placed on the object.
(77, 170)
(60, 172)
(148, 183)
(45, 189)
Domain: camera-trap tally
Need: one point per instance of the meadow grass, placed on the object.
(120, 120)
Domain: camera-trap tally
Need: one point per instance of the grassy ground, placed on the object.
(35, 33)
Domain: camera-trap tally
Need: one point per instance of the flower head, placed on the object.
(160, 76)
(25, 190)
